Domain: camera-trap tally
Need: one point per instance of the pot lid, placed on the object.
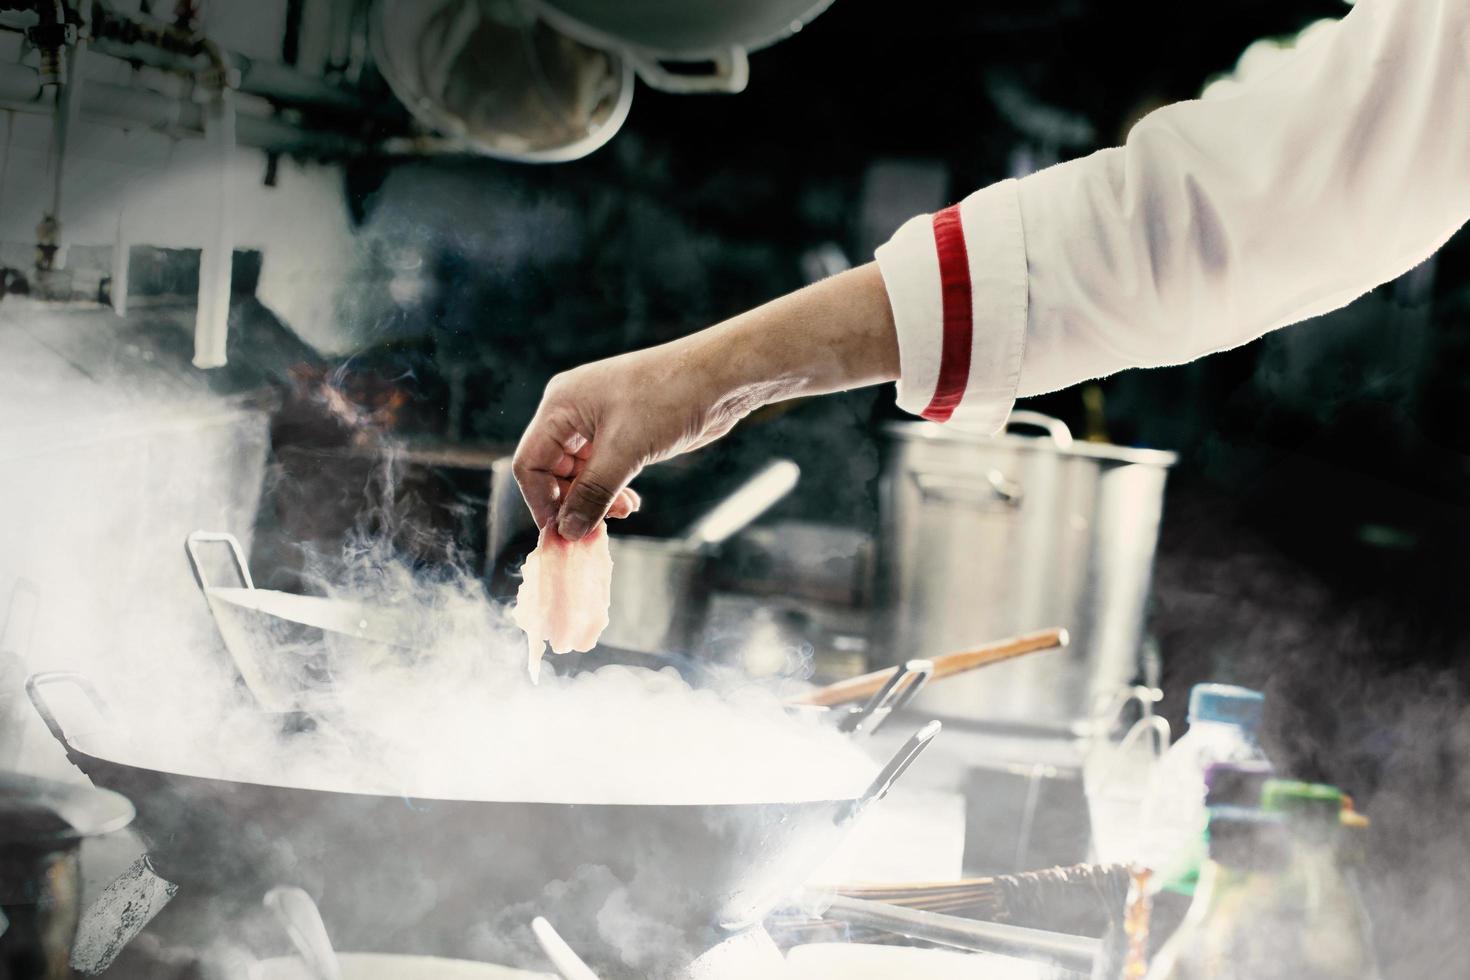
(950, 433)
(37, 811)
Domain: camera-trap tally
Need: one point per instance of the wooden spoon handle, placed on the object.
(946, 665)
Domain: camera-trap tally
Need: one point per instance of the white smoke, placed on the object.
(455, 716)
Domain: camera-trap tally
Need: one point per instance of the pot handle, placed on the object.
(997, 489)
(35, 682)
(191, 548)
(896, 767)
(730, 73)
(1060, 435)
(896, 692)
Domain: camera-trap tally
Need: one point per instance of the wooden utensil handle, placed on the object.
(946, 665)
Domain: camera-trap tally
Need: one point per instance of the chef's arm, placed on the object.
(600, 424)
(1219, 220)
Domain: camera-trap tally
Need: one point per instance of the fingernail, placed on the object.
(573, 526)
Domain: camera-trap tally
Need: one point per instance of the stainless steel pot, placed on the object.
(660, 588)
(649, 32)
(990, 536)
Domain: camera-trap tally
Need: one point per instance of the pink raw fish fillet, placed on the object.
(566, 589)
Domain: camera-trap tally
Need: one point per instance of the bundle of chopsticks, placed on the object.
(1084, 900)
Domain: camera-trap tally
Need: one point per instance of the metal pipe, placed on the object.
(1070, 952)
(216, 261)
(280, 83)
(265, 79)
(129, 106)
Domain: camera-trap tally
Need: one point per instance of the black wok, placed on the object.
(415, 875)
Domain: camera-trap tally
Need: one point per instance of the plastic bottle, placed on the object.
(1158, 914)
(1235, 928)
(1336, 937)
(1223, 724)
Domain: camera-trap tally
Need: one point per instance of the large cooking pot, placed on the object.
(414, 875)
(498, 79)
(649, 32)
(996, 535)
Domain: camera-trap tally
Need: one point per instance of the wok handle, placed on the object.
(896, 767)
(866, 685)
(899, 690)
(191, 547)
(35, 682)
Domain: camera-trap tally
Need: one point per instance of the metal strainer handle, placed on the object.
(237, 554)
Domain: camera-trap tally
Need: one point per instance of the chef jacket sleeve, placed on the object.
(1217, 221)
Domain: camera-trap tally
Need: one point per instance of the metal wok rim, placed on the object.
(90, 757)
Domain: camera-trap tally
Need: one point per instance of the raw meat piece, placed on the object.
(566, 589)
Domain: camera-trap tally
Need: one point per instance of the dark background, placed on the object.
(1316, 526)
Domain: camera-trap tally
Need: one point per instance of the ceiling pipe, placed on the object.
(131, 107)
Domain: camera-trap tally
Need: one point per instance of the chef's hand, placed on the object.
(599, 425)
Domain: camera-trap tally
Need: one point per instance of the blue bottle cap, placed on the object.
(1227, 704)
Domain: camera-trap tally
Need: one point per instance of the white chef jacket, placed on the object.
(1218, 220)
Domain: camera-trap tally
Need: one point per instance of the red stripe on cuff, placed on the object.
(954, 284)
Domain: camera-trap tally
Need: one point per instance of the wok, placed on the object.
(415, 875)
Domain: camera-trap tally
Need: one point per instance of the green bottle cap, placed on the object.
(1298, 801)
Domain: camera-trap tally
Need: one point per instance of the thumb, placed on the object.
(592, 493)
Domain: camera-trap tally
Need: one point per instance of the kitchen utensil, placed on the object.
(896, 688)
(660, 588)
(261, 627)
(499, 80)
(649, 32)
(856, 961)
(568, 964)
(115, 917)
(750, 500)
(718, 866)
(42, 825)
(1084, 899)
(1066, 951)
(993, 536)
(298, 916)
(946, 665)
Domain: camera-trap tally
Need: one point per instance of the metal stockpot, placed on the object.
(995, 535)
(660, 586)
